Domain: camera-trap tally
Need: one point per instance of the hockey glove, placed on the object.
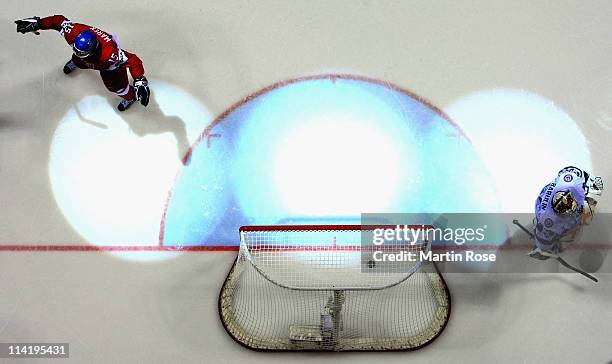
(28, 25)
(598, 183)
(594, 186)
(142, 90)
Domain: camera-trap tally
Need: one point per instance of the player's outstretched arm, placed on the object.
(35, 23)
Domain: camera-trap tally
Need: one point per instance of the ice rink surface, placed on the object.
(529, 83)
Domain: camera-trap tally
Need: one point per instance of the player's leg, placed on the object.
(544, 250)
(116, 81)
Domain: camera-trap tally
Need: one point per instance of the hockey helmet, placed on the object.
(85, 44)
(564, 203)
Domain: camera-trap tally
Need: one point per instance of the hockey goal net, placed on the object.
(321, 288)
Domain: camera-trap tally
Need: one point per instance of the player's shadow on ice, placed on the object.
(152, 120)
(149, 120)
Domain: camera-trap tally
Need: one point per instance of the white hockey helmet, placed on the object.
(564, 203)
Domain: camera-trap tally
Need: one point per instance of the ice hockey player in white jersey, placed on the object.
(562, 207)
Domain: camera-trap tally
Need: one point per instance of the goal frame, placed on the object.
(302, 228)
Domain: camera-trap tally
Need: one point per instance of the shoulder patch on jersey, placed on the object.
(548, 222)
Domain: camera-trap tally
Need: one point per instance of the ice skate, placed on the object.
(125, 104)
(69, 67)
(540, 254)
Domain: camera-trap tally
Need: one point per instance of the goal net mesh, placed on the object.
(318, 288)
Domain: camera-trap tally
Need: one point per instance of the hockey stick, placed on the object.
(559, 259)
(517, 223)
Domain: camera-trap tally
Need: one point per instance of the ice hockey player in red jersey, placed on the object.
(96, 49)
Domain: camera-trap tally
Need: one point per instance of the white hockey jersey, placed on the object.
(550, 226)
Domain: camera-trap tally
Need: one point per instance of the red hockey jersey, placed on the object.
(110, 56)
